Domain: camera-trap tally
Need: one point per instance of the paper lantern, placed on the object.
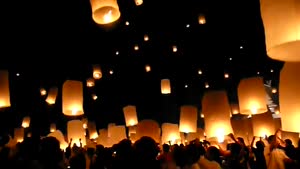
(170, 133)
(52, 127)
(131, 130)
(188, 119)
(19, 134)
(26, 122)
(289, 97)
(294, 137)
(117, 134)
(43, 91)
(242, 127)
(263, 124)
(148, 128)
(130, 115)
(138, 2)
(234, 109)
(281, 19)
(216, 110)
(201, 19)
(146, 37)
(76, 132)
(60, 137)
(103, 138)
(4, 89)
(72, 98)
(198, 135)
(148, 68)
(92, 130)
(165, 86)
(90, 82)
(97, 72)
(105, 11)
(85, 123)
(252, 96)
(52, 94)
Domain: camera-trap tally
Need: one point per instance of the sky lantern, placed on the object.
(92, 128)
(148, 128)
(19, 134)
(4, 89)
(52, 94)
(130, 115)
(216, 110)
(242, 127)
(201, 19)
(165, 86)
(97, 72)
(75, 131)
(90, 82)
(52, 127)
(72, 98)
(263, 124)
(138, 2)
(43, 91)
(252, 96)
(103, 138)
(60, 137)
(281, 20)
(117, 134)
(26, 122)
(188, 119)
(105, 11)
(289, 97)
(170, 133)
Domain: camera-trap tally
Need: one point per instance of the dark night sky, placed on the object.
(51, 41)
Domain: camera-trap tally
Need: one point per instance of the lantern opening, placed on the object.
(286, 52)
(106, 15)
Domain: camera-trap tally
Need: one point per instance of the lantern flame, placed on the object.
(108, 16)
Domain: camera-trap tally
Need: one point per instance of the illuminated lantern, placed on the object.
(52, 94)
(97, 72)
(92, 130)
(130, 115)
(289, 97)
(165, 86)
(234, 108)
(148, 68)
(52, 127)
(85, 123)
(216, 110)
(201, 19)
(170, 133)
(242, 127)
(4, 89)
(138, 2)
(105, 11)
(131, 130)
(109, 126)
(146, 37)
(198, 135)
(60, 137)
(72, 98)
(103, 138)
(252, 96)
(90, 82)
(117, 134)
(263, 125)
(19, 134)
(188, 119)
(43, 91)
(148, 128)
(281, 19)
(26, 122)
(294, 137)
(75, 131)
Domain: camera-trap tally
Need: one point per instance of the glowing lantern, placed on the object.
(75, 131)
(170, 132)
(243, 128)
(174, 48)
(281, 19)
(97, 73)
(234, 108)
(117, 134)
(252, 96)
(165, 86)
(85, 123)
(130, 115)
(146, 37)
(148, 128)
(52, 127)
(19, 134)
(216, 110)
(188, 119)
(92, 130)
(60, 137)
(26, 122)
(289, 97)
(263, 125)
(131, 130)
(90, 82)
(103, 138)
(201, 19)
(147, 68)
(105, 11)
(72, 98)
(52, 94)
(4, 89)
(43, 92)
(138, 2)
(294, 137)
(198, 135)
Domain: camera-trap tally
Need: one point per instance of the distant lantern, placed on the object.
(117, 134)
(72, 98)
(174, 48)
(85, 123)
(138, 2)
(4, 89)
(146, 37)
(170, 133)
(200, 72)
(148, 68)
(26, 122)
(75, 131)
(105, 11)
(97, 72)
(19, 134)
(148, 128)
(206, 85)
(52, 127)
(60, 137)
(52, 94)
(226, 75)
(188, 119)
(216, 110)
(252, 96)
(263, 125)
(289, 97)
(94, 96)
(90, 82)
(274, 90)
(165, 86)
(130, 115)
(136, 47)
(43, 91)
(92, 128)
(201, 19)
(281, 20)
